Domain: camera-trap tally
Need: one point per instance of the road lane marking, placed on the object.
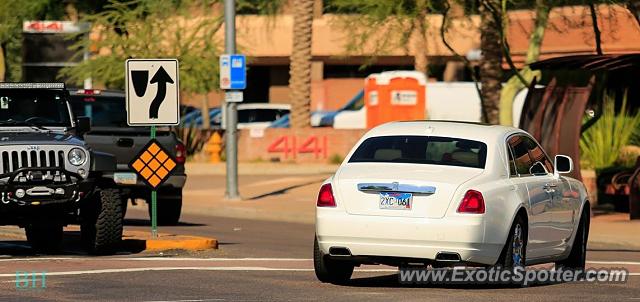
(145, 269)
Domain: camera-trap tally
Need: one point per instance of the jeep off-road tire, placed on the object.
(101, 228)
(169, 208)
(45, 237)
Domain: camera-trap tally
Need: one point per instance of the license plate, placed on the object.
(125, 178)
(395, 200)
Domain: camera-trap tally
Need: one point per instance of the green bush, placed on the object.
(601, 144)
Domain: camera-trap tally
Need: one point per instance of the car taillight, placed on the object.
(325, 197)
(472, 203)
(181, 153)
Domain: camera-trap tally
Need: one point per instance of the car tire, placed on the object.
(169, 208)
(514, 253)
(328, 270)
(101, 228)
(578, 255)
(45, 238)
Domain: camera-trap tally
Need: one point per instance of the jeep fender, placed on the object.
(103, 162)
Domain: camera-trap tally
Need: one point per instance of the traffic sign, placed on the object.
(234, 97)
(153, 164)
(233, 72)
(152, 91)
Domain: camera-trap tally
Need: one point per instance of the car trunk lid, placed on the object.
(358, 187)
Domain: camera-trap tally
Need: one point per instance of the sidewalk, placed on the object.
(260, 168)
(614, 232)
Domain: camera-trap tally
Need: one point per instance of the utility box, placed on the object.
(395, 96)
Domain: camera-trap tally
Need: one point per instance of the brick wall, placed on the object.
(316, 145)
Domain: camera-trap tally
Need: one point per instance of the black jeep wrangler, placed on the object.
(49, 178)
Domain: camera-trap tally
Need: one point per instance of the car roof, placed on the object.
(466, 130)
(100, 93)
(245, 106)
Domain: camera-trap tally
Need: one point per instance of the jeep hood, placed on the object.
(39, 138)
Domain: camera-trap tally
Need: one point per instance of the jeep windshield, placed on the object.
(33, 108)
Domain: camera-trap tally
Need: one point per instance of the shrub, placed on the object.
(600, 145)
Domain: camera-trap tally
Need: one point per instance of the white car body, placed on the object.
(433, 226)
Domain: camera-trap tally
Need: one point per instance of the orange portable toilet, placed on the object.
(395, 96)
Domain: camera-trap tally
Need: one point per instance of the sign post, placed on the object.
(232, 80)
(153, 99)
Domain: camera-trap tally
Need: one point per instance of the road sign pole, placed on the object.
(231, 143)
(154, 200)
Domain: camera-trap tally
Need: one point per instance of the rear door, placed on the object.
(532, 167)
(426, 170)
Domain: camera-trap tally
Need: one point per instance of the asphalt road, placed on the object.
(257, 261)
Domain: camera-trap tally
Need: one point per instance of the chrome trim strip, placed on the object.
(395, 187)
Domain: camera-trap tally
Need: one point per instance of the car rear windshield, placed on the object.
(432, 150)
(104, 111)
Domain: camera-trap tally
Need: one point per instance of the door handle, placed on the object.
(125, 142)
(549, 187)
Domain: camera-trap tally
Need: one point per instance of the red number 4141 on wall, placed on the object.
(288, 145)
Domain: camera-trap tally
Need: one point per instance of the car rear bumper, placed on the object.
(176, 181)
(402, 237)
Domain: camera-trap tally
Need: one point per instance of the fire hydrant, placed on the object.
(214, 146)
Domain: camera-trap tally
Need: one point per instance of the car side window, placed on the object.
(538, 155)
(512, 164)
(520, 153)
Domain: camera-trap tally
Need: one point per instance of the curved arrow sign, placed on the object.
(153, 101)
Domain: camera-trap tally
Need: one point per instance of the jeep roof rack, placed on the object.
(32, 86)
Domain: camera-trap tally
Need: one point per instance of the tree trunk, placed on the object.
(204, 107)
(514, 85)
(421, 60)
(634, 9)
(490, 65)
(300, 70)
(3, 64)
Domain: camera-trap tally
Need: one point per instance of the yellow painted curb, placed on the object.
(143, 241)
(191, 243)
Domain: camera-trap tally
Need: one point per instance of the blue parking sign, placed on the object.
(233, 72)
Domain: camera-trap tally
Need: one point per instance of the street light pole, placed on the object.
(231, 121)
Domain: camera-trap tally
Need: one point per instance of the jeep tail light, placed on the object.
(325, 197)
(181, 153)
(472, 203)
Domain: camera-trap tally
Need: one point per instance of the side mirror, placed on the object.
(563, 165)
(83, 125)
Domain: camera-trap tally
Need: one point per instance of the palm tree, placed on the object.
(300, 68)
(490, 65)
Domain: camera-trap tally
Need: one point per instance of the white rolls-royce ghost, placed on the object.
(441, 193)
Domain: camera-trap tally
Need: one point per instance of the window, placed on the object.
(103, 111)
(422, 150)
(24, 107)
(260, 115)
(512, 164)
(528, 157)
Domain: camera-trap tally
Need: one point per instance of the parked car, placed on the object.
(111, 134)
(443, 193)
(259, 115)
(49, 176)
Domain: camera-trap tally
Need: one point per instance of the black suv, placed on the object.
(110, 133)
(49, 177)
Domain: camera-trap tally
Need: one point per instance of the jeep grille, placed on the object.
(13, 160)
